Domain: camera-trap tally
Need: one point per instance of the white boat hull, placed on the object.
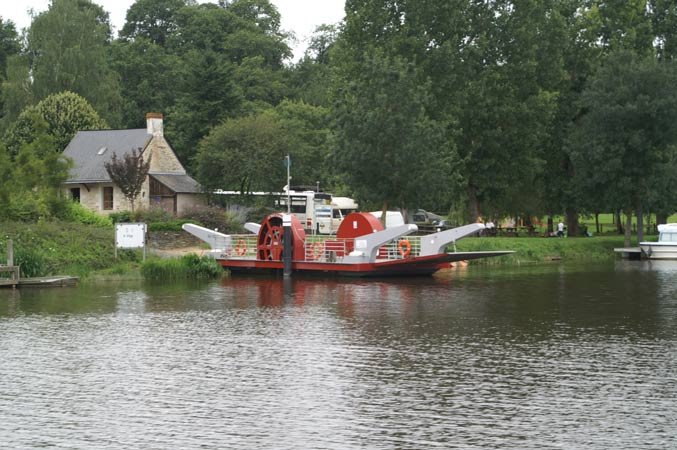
(659, 250)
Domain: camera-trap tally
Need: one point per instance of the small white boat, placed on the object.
(665, 247)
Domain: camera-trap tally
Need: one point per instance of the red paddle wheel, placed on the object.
(270, 242)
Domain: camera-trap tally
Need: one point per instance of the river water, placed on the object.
(548, 357)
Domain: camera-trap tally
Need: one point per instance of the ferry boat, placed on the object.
(666, 247)
(362, 247)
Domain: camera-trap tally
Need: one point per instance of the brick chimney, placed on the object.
(154, 123)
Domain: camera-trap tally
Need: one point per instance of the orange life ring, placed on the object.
(240, 247)
(404, 247)
(316, 250)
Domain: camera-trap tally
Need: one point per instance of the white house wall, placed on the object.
(91, 197)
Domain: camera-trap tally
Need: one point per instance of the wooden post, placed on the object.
(10, 253)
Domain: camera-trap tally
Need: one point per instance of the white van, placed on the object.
(305, 205)
(393, 218)
(330, 217)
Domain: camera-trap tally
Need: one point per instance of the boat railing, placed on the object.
(332, 249)
(241, 246)
(320, 248)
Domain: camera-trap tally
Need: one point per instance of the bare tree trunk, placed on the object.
(405, 214)
(640, 223)
(384, 214)
(619, 224)
(597, 230)
(551, 225)
(628, 228)
(473, 204)
(572, 222)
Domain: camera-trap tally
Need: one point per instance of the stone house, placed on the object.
(168, 186)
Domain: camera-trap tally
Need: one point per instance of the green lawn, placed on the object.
(540, 249)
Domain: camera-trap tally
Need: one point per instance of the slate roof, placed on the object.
(181, 184)
(86, 151)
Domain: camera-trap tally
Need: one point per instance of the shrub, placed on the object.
(172, 225)
(258, 214)
(151, 215)
(189, 266)
(75, 212)
(31, 261)
(214, 217)
(121, 217)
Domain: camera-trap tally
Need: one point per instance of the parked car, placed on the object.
(427, 221)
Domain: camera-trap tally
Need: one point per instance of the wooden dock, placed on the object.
(55, 281)
(14, 279)
(9, 268)
(634, 253)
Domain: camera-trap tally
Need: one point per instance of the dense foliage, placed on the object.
(492, 109)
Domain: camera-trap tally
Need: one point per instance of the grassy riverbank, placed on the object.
(66, 248)
(56, 247)
(540, 249)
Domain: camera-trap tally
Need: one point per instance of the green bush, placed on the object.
(214, 217)
(171, 225)
(257, 215)
(31, 261)
(151, 215)
(121, 217)
(59, 247)
(75, 212)
(189, 266)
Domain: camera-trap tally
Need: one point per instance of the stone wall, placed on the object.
(171, 239)
(163, 159)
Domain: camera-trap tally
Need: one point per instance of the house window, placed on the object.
(75, 194)
(108, 198)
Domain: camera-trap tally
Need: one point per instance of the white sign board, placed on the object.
(130, 235)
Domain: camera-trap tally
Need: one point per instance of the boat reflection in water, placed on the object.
(549, 356)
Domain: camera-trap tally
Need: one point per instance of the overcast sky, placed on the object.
(299, 16)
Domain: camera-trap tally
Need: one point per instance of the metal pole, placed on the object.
(288, 185)
(286, 249)
(10, 253)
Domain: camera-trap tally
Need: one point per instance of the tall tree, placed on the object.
(664, 23)
(244, 154)
(9, 43)
(628, 135)
(310, 79)
(29, 185)
(146, 71)
(64, 114)
(207, 95)
(153, 20)
(483, 62)
(9, 51)
(68, 48)
(389, 150)
(16, 90)
(307, 128)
